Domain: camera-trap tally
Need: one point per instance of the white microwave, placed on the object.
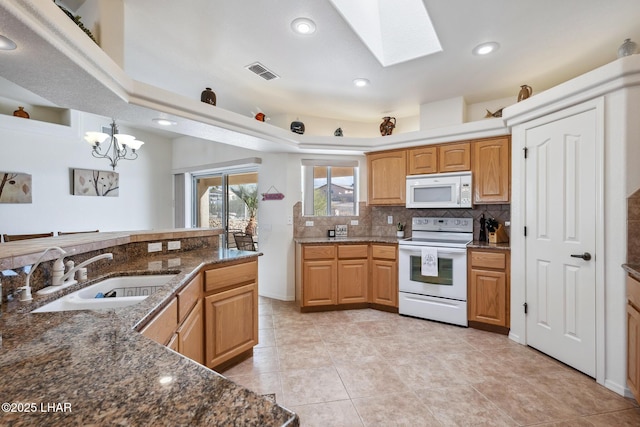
(439, 190)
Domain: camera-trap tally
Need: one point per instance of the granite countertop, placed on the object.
(476, 244)
(633, 270)
(362, 239)
(93, 368)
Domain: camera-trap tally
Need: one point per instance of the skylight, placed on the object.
(393, 31)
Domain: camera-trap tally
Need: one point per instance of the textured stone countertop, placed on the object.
(363, 239)
(633, 270)
(476, 244)
(93, 368)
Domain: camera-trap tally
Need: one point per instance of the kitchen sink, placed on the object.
(113, 292)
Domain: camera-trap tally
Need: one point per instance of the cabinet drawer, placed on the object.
(383, 252)
(319, 252)
(162, 327)
(353, 251)
(188, 297)
(487, 259)
(633, 291)
(223, 277)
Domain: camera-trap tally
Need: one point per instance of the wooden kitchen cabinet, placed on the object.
(633, 336)
(384, 275)
(488, 289)
(319, 275)
(191, 335)
(230, 313)
(387, 173)
(353, 274)
(329, 276)
(439, 158)
(162, 327)
(491, 170)
(423, 160)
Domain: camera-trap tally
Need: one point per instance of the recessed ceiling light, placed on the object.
(485, 48)
(164, 122)
(7, 44)
(361, 82)
(304, 26)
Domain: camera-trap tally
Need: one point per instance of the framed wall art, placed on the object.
(15, 187)
(88, 182)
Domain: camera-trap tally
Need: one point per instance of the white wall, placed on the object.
(281, 170)
(49, 151)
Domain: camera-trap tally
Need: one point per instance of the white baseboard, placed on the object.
(515, 337)
(622, 390)
(277, 296)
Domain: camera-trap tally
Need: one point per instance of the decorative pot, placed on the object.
(387, 125)
(251, 226)
(627, 48)
(208, 96)
(260, 117)
(297, 127)
(400, 234)
(21, 113)
(525, 92)
(338, 132)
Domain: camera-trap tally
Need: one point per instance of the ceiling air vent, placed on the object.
(262, 71)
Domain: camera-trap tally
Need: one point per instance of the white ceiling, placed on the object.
(186, 46)
(183, 47)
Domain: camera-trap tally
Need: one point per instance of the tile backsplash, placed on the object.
(633, 228)
(373, 220)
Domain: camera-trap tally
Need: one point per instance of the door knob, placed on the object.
(585, 256)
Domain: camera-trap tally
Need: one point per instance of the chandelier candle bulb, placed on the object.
(118, 148)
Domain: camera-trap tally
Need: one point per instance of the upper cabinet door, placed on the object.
(491, 170)
(454, 157)
(423, 160)
(387, 172)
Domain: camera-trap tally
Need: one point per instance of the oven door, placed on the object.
(451, 281)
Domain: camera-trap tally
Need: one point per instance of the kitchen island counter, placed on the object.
(93, 368)
(476, 244)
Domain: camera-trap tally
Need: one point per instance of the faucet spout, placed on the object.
(65, 280)
(26, 294)
(68, 276)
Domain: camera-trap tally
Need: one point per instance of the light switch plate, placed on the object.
(354, 222)
(154, 247)
(309, 223)
(389, 219)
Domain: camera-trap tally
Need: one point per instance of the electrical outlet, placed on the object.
(354, 222)
(154, 247)
(507, 223)
(173, 262)
(309, 223)
(389, 219)
(172, 246)
(289, 220)
(154, 265)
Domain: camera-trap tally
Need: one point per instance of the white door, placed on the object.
(561, 227)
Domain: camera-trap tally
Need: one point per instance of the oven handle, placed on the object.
(416, 249)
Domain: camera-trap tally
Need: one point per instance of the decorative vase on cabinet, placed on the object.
(208, 96)
(21, 113)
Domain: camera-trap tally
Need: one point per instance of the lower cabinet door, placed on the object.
(352, 281)
(191, 335)
(487, 297)
(319, 279)
(384, 278)
(231, 323)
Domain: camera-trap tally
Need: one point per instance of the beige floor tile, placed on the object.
(353, 352)
(329, 317)
(264, 359)
(367, 314)
(428, 374)
(289, 320)
(399, 409)
(523, 402)
(463, 406)
(625, 418)
(303, 356)
(296, 334)
(266, 338)
(346, 332)
(265, 322)
(264, 309)
(579, 391)
(301, 387)
(261, 383)
(524, 361)
(380, 328)
(475, 366)
(330, 414)
(370, 379)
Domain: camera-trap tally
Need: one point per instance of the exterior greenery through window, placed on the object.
(332, 189)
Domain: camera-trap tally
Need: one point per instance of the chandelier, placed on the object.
(121, 146)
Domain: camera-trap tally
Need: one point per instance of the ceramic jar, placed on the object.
(21, 113)
(208, 96)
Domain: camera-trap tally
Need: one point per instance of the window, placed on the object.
(330, 190)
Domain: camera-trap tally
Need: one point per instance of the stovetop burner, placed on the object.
(443, 232)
